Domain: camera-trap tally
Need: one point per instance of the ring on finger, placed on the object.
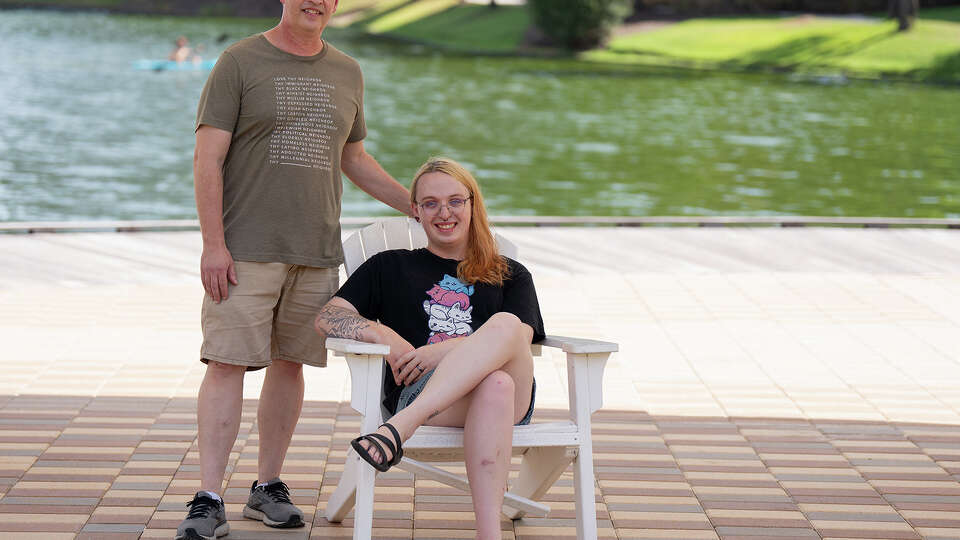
(420, 368)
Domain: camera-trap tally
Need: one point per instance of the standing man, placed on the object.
(280, 116)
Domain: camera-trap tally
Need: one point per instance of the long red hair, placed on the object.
(483, 262)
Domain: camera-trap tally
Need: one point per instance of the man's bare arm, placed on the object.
(364, 171)
(216, 263)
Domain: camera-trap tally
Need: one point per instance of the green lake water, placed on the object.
(85, 136)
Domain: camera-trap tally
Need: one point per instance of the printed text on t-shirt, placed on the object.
(304, 124)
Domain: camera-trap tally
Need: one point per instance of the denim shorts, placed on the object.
(410, 393)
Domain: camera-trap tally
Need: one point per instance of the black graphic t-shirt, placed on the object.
(417, 294)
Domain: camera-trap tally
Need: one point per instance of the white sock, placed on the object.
(261, 484)
(213, 496)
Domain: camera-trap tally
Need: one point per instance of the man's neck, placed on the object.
(288, 40)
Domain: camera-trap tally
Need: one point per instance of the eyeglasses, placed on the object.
(433, 207)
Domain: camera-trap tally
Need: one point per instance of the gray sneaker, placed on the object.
(205, 521)
(271, 505)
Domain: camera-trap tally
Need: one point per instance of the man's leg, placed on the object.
(281, 400)
(219, 408)
(235, 331)
(305, 290)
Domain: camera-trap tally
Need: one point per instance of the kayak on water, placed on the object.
(170, 65)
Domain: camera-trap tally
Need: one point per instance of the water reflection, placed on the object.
(85, 136)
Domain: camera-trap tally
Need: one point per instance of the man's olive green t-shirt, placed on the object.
(290, 117)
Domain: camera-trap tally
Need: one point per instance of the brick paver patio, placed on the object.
(771, 384)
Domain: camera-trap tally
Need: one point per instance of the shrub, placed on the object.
(578, 24)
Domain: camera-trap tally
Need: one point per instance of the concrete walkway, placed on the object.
(772, 384)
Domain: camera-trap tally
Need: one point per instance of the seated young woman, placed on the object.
(459, 319)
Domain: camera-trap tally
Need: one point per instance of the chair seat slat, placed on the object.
(428, 438)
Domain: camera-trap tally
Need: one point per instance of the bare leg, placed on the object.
(487, 438)
(502, 343)
(487, 415)
(281, 400)
(483, 385)
(218, 420)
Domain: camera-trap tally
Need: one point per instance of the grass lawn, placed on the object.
(448, 24)
(865, 47)
(942, 14)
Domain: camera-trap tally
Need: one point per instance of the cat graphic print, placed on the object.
(449, 310)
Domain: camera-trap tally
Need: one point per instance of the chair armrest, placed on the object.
(343, 346)
(365, 361)
(586, 360)
(579, 345)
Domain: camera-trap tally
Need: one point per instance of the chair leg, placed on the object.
(363, 514)
(343, 499)
(539, 470)
(354, 491)
(584, 493)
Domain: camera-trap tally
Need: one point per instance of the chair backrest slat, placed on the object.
(373, 239)
(397, 233)
(353, 255)
(506, 247)
(417, 235)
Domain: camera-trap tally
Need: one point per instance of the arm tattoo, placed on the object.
(342, 323)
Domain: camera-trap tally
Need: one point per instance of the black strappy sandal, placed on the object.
(396, 452)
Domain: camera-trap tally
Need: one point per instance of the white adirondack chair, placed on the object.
(547, 448)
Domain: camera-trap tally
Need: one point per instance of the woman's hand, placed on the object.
(399, 348)
(412, 365)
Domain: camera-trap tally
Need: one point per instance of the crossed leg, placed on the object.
(484, 386)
